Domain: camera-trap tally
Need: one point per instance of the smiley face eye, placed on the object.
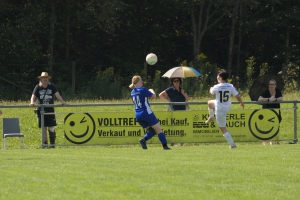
(72, 123)
(83, 120)
(260, 117)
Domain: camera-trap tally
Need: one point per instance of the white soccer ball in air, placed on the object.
(151, 59)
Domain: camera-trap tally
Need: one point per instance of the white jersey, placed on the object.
(223, 91)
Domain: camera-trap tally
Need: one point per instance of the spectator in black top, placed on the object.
(175, 93)
(274, 96)
(44, 93)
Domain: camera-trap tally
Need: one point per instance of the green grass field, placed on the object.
(192, 171)
(252, 171)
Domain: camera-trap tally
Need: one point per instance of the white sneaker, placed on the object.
(210, 119)
(232, 147)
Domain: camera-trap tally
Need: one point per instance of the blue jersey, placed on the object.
(140, 99)
(143, 112)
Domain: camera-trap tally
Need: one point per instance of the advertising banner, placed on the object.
(114, 128)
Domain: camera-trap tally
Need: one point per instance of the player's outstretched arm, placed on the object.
(154, 95)
(238, 97)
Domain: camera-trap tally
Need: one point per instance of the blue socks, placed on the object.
(149, 135)
(162, 138)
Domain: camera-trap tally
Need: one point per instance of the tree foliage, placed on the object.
(107, 42)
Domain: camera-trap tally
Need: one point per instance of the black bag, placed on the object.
(36, 110)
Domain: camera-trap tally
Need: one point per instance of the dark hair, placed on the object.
(172, 79)
(223, 74)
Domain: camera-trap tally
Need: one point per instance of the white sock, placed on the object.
(211, 112)
(228, 137)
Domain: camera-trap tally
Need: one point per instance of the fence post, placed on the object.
(295, 123)
(42, 125)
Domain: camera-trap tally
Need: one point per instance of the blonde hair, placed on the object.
(134, 81)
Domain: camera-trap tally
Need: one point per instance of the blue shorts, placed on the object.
(145, 119)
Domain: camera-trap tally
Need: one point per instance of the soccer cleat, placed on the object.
(232, 147)
(210, 119)
(166, 148)
(143, 143)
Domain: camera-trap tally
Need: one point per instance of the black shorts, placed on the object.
(49, 120)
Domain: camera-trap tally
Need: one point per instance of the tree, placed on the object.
(204, 15)
(234, 17)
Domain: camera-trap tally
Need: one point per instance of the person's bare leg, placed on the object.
(211, 110)
(228, 137)
(45, 135)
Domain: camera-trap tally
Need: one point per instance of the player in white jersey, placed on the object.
(222, 104)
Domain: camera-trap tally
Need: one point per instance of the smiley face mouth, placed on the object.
(265, 132)
(82, 135)
(261, 131)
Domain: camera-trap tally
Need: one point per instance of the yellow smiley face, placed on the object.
(79, 127)
(264, 124)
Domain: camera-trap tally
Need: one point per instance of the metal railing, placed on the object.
(42, 110)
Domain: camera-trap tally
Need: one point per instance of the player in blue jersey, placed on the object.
(144, 114)
(222, 104)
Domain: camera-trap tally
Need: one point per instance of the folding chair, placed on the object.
(11, 128)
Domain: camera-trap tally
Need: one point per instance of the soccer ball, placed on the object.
(151, 59)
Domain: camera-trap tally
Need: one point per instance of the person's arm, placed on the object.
(164, 96)
(33, 97)
(269, 99)
(260, 98)
(273, 99)
(184, 94)
(214, 89)
(265, 96)
(32, 100)
(238, 97)
(152, 91)
(279, 99)
(60, 98)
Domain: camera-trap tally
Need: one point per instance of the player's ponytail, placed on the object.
(134, 81)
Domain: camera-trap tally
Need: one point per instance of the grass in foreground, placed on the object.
(128, 172)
